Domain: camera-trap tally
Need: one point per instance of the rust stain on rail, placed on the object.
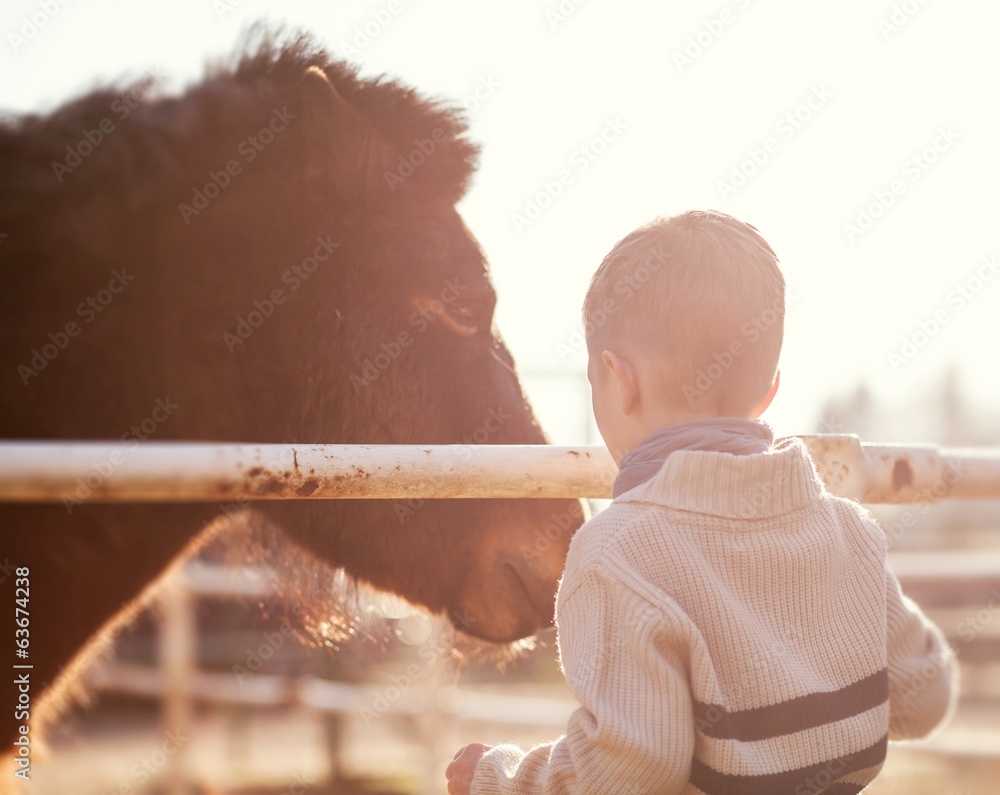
(902, 474)
(307, 488)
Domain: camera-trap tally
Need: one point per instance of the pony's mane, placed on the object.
(167, 139)
(398, 113)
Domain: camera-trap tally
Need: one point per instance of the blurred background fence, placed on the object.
(425, 721)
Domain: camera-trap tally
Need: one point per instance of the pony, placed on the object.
(272, 255)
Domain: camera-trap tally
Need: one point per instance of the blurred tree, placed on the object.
(941, 414)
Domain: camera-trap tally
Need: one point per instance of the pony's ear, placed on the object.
(338, 141)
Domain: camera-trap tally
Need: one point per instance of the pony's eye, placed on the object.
(467, 317)
(471, 312)
(461, 317)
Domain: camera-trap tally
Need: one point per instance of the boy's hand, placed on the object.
(459, 773)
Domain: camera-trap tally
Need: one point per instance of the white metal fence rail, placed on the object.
(200, 472)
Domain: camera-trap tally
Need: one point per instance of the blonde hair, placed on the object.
(702, 296)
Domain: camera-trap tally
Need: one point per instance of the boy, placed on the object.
(727, 625)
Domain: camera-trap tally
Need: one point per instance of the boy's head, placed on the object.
(694, 306)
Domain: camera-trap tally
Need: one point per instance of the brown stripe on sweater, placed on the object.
(795, 714)
(810, 780)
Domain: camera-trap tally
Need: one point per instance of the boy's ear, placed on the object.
(762, 406)
(626, 380)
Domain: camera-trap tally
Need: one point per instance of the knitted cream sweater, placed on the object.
(731, 627)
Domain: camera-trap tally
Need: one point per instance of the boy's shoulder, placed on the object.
(617, 548)
(617, 533)
(858, 521)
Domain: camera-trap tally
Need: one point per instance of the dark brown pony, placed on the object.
(273, 256)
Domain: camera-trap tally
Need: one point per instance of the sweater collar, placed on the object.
(753, 486)
(734, 435)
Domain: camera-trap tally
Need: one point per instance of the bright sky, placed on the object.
(891, 106)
